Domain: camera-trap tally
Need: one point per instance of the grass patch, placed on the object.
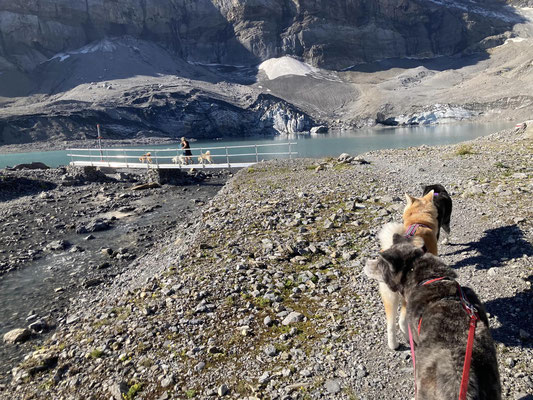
(261, 302)
(132, 392)
(499, 164)
(190, 393)
(101, 322)
(96, 353)
(464, 149)
(341, 166)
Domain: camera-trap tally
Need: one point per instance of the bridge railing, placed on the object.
(221, 156)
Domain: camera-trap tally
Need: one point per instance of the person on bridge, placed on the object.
(186, 150)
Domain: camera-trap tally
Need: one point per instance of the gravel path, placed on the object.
(263, 296)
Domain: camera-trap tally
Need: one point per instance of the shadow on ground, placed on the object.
(494, 247)
(514, 314)
(14, 187)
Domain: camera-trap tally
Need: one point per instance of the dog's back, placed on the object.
(443, 202)
(441, 346)
(439, 324)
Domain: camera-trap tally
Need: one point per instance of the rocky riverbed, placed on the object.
(263, 295)
(67, 229)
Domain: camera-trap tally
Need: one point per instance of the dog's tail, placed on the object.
(387, 232)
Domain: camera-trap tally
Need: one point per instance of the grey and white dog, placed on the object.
(439, 324)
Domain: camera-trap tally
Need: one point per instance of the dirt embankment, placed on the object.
(264, 295)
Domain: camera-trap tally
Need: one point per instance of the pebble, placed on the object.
(333, 386)
(223, 390)
(292, 318)
(270, 350)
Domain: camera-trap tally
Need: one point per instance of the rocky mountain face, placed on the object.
(196, 67)
(328, 33)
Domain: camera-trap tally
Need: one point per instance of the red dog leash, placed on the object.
(472, 313)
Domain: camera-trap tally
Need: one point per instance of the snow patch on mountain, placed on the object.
(103, 45)
(276, 67)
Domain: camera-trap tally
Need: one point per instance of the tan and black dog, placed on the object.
(419, 221)
(439, 315)
(443, 202)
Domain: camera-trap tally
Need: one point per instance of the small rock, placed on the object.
(200, 366)
(166, 382)
(292, 318)
(223, 390)
(270, 350)
(57, 245)
(17, 335)
(264, 378)
(319, 129)
(118, 390)
(328, 224)
(524, 335)
(332, 386)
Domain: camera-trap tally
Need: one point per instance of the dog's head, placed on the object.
(393, 264)
(421, 205)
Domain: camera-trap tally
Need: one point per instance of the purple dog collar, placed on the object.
(411, 230)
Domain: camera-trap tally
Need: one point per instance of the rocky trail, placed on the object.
(264, 297)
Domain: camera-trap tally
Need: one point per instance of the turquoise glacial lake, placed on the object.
(313, 146)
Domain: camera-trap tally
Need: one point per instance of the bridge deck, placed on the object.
(171, 158)
(138, 165)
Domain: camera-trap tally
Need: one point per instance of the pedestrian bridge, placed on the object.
(172, 158)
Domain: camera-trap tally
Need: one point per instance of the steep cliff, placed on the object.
(198, 67)
(328, 33)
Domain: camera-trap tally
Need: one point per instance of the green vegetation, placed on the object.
(190, 393)
(132, 392)
(464, 150)
(96, 353)
(499, 164)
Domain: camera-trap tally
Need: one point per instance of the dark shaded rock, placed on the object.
(92, 282)
(39, 326)
(33, 165)
(57, 245)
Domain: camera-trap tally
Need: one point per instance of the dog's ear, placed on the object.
(391, 265)
(429, 196)
(373, 269)
(410, 199)
(391, 257)
(397, 238)
(416, 253)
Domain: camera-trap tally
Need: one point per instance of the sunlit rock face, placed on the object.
(327, 33)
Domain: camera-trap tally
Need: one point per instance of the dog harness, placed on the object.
(473, 314)
(411, 230)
